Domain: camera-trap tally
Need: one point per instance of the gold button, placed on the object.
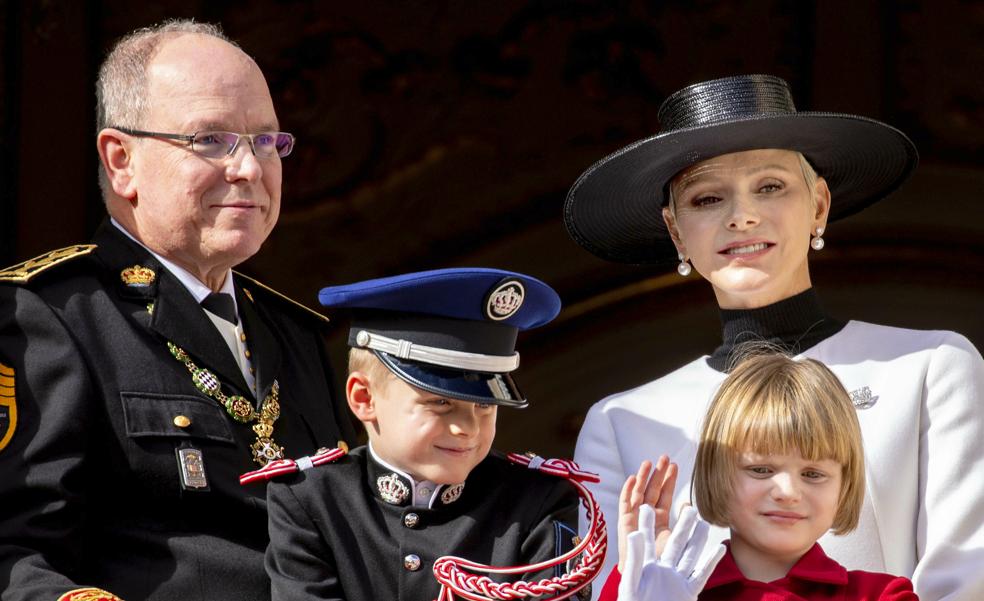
(342, 445)
(252, 370)
(248, 354)
(182, 421)
(242, 337)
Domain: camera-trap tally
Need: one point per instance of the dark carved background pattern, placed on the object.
(447, 133)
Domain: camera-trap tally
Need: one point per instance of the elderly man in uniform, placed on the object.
(140, 375)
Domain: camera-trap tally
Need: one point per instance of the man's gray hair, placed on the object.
(121, 89)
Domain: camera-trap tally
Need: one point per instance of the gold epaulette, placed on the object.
(279, 295)
(23, 272)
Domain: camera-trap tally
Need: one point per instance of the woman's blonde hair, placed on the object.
(809, 176)
(772, 404)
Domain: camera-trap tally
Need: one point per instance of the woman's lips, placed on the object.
(746, 250)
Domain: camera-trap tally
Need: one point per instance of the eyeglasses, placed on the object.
(218, 144)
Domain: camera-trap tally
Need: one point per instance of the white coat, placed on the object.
(923, 514)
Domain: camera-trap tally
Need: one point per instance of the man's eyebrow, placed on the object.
(218, 126)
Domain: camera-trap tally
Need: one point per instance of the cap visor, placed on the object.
(476, 387)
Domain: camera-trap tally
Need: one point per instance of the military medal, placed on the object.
(264, 449)
(192, 468)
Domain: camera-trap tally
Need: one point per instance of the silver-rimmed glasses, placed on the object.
(218, 144)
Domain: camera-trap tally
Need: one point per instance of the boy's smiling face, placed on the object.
(428, 436)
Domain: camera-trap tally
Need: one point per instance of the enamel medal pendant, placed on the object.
(191, 467)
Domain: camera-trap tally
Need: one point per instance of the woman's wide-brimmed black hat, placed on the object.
(614, 209)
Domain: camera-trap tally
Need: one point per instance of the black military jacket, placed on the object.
(332, 536)
(89, 481)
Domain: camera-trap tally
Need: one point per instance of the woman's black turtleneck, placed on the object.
(793, 325)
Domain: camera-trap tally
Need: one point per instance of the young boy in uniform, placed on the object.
(429, 367)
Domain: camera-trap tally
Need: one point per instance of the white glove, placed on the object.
(676, 575)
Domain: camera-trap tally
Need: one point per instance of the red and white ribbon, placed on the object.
(450, 570)
(280, 467)
(564, 468)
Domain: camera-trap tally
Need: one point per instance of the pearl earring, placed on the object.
(684, 267)
(817, 243)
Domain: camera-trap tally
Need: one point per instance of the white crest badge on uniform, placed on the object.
(392, 489)
(8, 405)
(452, 493)
(504, 300)
(862, 398)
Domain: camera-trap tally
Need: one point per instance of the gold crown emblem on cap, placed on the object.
(505, 300)
(138, 276)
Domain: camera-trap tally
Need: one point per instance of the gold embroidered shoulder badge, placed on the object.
(8, 405)
(23, 272)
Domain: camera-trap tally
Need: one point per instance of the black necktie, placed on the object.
(221, 304)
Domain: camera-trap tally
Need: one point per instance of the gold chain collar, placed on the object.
(264, 449)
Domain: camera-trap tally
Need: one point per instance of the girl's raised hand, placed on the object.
(651, 486)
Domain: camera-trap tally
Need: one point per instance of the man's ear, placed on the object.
(117, 162)
(358, 392)
(671, 227)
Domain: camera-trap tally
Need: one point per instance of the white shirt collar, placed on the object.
(197, 289)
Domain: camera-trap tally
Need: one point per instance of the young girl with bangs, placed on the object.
(740, 188)
(780, 462)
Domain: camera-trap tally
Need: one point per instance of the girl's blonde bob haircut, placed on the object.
(772, 404)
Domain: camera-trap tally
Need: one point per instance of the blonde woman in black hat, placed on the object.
(740, 187)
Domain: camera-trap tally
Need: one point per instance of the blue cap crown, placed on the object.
(449, 331)
(460, 293)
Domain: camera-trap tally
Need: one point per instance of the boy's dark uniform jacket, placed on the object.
(90, 493)
(333, 537)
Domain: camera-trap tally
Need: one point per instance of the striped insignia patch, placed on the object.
(8, 405)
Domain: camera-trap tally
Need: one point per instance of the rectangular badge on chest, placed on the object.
(191, 465)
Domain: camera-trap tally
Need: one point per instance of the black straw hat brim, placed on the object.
(614, 210)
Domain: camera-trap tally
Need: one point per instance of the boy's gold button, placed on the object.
(182, 421)
(411, 563)
(411, 520)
